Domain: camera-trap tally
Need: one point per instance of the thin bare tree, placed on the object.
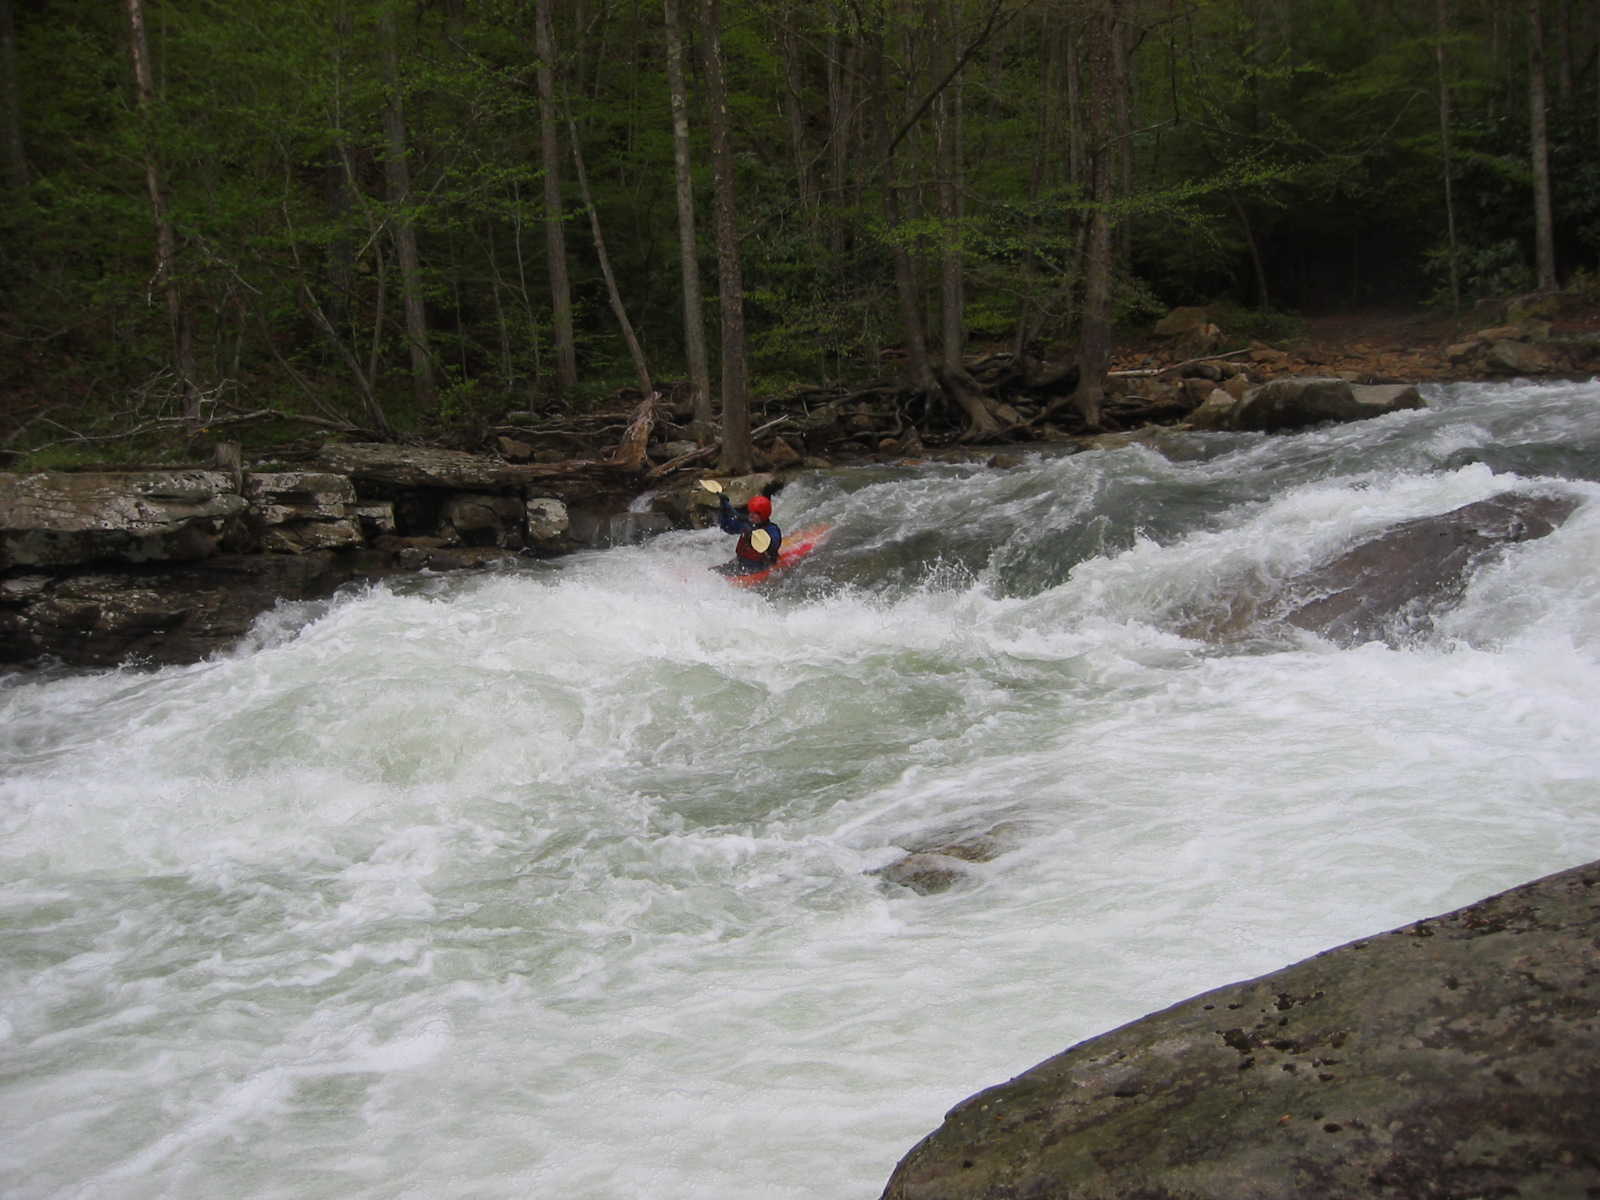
(619, 310)
(402, 227)
(554, 215)
(166, 274)
(1445, 153)
(1539, 151)
(738, 451)
(694, 317)
(1094, 327)
(15, 164)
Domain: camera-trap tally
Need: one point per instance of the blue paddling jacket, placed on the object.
(747, 557)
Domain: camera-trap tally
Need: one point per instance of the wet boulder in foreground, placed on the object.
(1455, 1057)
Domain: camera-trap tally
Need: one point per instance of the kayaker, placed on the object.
(759, 538)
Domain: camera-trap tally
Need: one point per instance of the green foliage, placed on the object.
(1496, 269)
(1300, 134)
(1585, 285)
(1241, 324)
(76, 456)
(1136, 304)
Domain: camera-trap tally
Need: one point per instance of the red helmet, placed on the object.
(761, 508)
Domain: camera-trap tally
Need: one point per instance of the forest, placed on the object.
(405, 218)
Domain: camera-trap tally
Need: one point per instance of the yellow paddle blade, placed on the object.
(712, 486)
(760, 539)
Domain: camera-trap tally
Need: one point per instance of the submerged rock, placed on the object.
(1455, 1057)
(941, 863)
(1391, 587)
(1396, 584)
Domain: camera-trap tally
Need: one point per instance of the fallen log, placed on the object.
(662, 470)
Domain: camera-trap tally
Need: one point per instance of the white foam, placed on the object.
(556, 882)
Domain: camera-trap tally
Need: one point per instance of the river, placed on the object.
(558, 881)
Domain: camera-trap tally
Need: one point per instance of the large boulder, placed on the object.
(547, 519)
(63, 519)
(486, 520)
(1215, 411)
(1506, 356)
(1299, 402)
(1182, 320)
(1392, 586)
(1455, 1057)
(297, 511)
(1525, 345)
(166, 614)
(1191, 332)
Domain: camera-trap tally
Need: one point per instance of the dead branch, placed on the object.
(215, 421)
(278, 414)
(1148, 372)
(630, 453)
(683, 460)
(363, 382)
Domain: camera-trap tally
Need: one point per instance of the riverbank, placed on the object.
(167, 565)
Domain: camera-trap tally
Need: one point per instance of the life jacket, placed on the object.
(750, 554)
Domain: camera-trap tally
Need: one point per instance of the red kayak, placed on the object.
(795, 547)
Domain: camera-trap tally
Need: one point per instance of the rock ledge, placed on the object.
(1455, 1057)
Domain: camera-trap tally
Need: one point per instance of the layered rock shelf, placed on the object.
(166, 566)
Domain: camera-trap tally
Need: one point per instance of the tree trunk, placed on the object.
(397, 178)
(555, 236)
(497, 286)
(738, 453)
(1539, 148)
(919, 370)
(794, 116)
(694, 315)
(1564, 40)
(15, 167)
(339, 186)
(1123, 104)
(1077, 153)
(1446, 156)
(952, 289)
(1263, 294)
(843, 70)
(641, 369)
(1094, 334)
(166, 236)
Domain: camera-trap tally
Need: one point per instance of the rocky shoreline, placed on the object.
(167, 565)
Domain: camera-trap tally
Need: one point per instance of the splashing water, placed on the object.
(560, 881)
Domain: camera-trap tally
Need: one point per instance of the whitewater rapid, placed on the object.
(559, 881)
